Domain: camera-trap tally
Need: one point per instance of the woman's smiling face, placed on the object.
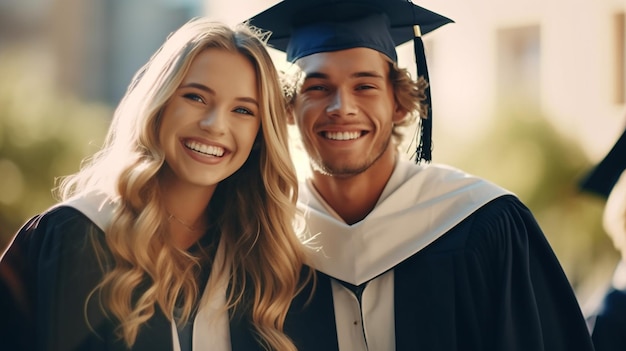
(210, 123)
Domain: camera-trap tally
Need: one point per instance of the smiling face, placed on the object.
(345, 110)
(209, 125)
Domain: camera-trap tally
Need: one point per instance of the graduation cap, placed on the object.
(602, 178)
(305, 27)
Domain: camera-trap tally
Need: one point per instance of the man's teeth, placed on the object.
(205, 149)
(342, 135)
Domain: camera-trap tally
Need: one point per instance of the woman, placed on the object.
(193, 188)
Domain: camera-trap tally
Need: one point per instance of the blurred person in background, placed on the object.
(607, 322)
(409, 257)
(178, 234)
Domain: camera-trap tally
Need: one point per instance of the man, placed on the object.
(409, 257)
(608, 180)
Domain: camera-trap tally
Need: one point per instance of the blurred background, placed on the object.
(528, 94)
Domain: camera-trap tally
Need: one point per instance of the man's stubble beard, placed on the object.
(342, 171)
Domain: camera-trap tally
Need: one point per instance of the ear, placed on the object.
(399, 114)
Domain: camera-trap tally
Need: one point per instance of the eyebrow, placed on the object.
(212, 92)
(360, 74)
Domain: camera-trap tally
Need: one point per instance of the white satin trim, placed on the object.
(211, 329)
(98, 207)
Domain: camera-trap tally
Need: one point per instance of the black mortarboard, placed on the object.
(305, 27)
(605, 174)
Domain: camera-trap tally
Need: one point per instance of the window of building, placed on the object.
(519, 66)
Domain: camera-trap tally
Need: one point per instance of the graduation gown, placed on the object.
(50, 270)
(608, 321)
(484, 280)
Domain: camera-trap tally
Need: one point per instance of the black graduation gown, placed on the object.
(609, 322)
(47, 274)
(490, 283)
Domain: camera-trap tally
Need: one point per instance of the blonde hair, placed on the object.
(409, 94)
(255, 206)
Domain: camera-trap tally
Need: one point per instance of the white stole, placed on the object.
(418, 205)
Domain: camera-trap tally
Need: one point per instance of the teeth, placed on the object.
(205, 149)
(342, 135)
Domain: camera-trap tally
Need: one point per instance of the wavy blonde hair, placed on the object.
(255, 224)
(409, 94)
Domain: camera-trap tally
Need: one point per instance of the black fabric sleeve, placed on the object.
(491, 283)
(610, 322)
(537, 309)
(54, 268)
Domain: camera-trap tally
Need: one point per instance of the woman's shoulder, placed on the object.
(58, 218)
(55, 260)
(59, 229)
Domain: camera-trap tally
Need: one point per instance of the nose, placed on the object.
(341, 104)
(214, 122)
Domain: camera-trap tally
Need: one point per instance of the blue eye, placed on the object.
(194, 97)
(243, 110)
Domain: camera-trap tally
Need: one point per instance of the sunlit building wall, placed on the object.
(98, 45)
(566, 56)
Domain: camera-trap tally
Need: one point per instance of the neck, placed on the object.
(354, 197)
(186, 207)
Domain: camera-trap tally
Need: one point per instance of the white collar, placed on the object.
(418, 205)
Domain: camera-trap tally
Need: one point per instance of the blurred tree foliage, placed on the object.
(43, 135)
(524, 153)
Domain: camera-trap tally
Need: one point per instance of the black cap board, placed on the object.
(601, 179)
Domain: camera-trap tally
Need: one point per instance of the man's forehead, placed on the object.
(363, 61)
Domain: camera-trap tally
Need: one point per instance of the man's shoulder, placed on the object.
(69, 222)
(59, 218)
(436, 172)
(438, 181)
